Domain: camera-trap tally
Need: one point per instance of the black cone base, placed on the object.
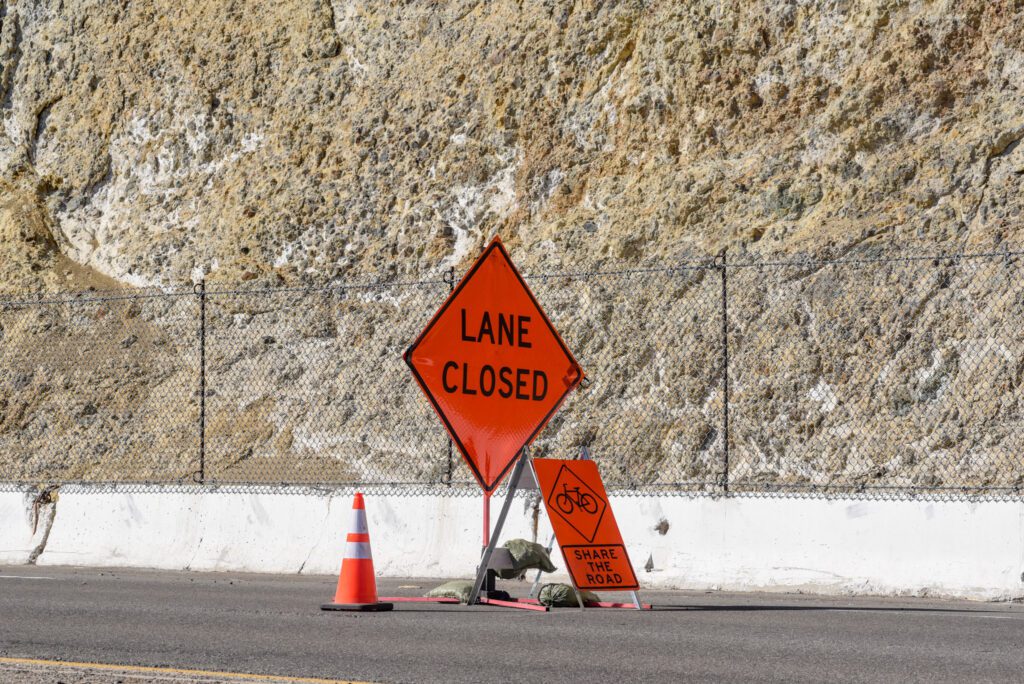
(362, 607)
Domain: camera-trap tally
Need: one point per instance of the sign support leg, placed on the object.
(636, 600)
(576, 590)
(536, 580)
(487, 519)
(488, 587)
(485, 561)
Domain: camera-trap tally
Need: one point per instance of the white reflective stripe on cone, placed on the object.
(357, 522)
(358, 550)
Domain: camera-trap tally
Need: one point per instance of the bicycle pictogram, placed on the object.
(576, 502)
(571, 497)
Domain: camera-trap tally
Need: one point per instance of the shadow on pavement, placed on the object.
(845, 609)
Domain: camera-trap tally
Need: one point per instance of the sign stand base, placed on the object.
(484, 589)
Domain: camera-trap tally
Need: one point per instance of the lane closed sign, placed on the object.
(577, 505)
(493, 366)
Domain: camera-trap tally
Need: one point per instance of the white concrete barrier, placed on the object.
(962, 549)
(24, 524)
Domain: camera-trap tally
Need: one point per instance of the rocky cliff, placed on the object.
(160, 143)
(155, 142)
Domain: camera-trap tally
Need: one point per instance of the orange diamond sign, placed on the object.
(493, 366)
(577, 505)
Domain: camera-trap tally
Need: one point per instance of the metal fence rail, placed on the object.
(890, 375)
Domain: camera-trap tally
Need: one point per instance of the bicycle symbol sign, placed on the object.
(584, 524)
(577, 503)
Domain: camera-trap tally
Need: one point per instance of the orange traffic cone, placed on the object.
(357, 588)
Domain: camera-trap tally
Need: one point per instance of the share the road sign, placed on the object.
(584, 525)
(493, 366)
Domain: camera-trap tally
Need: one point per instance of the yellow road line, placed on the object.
(171, 670)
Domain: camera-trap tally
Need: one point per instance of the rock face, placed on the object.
(311, 139)
(159, 143)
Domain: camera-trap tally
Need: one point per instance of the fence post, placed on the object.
(724, 270)
(201, 291)
(449, 277)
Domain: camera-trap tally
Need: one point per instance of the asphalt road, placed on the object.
(272, 625)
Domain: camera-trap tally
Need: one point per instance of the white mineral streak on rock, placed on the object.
(925, 375)
(825, 395)
(282, 258)
(469, 204)
(155, 158)
(502, 191)
(886, 373)
(357, 67)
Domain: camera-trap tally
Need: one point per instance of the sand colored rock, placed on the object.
(314, 140)
(310, 142)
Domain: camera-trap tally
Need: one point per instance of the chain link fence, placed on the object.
(878, 376)
(309, 387)
(99, 388)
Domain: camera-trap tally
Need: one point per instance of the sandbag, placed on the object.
(563, 596)
(526, 555)
(456, 589)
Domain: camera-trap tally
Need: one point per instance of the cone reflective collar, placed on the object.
(357, 543)
(357, 586)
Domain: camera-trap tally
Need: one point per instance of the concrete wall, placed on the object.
(26, 518)
(965, 549)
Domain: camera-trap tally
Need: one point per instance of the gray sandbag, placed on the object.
(526, 555)
(456, 589)
(563, 596)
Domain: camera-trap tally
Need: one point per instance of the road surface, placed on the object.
(230, 623)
